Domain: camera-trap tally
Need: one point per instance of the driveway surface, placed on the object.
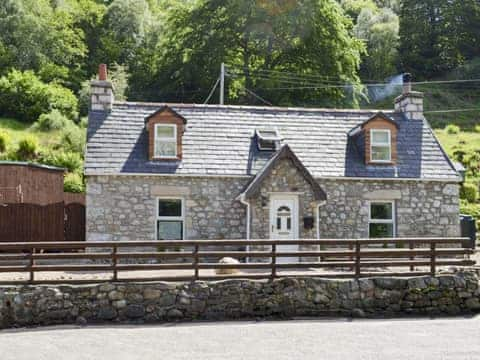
(447, 338)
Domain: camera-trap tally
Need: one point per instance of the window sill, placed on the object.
(381, 162)
(165, 159)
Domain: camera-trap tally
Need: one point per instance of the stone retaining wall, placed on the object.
(235, 299)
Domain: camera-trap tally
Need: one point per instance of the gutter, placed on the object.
(247, 204)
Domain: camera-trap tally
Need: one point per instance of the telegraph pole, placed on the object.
(222, 82)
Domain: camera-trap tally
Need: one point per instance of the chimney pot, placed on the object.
(409, 102)
(407, 83)
(102, 72)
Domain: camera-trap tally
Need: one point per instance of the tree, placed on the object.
(379, 29)
(261, 41)
(36, 36)
(428, 45)
(124, 27)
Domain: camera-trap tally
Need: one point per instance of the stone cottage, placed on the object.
(188, 171)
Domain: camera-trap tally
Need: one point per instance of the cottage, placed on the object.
(188, 171)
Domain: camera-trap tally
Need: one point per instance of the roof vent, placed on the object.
(268, 139)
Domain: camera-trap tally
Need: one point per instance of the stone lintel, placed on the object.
(383, 195)
(167, 190)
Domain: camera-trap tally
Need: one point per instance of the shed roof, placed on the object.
(33, 165)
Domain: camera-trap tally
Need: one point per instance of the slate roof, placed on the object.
(218, 140)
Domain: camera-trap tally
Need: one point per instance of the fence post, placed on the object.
(195, 262)
(357, 259)
(432, 258)
(412, 247)
(31, 263)
(114, 262)
(274, 261)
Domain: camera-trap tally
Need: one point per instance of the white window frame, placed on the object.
(168, 140)
(387, 144)
(382, 221)
(170, 218)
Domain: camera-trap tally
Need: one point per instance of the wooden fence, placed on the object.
(350, 258)
(31, 222)
(26, 222)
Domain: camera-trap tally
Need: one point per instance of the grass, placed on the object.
(18, 130)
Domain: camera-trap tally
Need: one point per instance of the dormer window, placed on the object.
(380, 145)
(268, 139)
(165, 128)
(165, 141)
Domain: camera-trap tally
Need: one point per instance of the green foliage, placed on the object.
(124, 27)
(54, 120)
(477, 128)
(27, 148)
(379, 29)
(255, 39)
(73, 182)
(24, 96)
(69, 160)
(73, 139)
(4, 141)
(471, 209)
(452, 129)
(438, 35)
(42, 37)
(469, 192)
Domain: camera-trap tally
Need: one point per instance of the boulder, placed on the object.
(227, 260)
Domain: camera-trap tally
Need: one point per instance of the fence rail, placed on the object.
(349, 257)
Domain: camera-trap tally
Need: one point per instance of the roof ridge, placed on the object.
(250, 107)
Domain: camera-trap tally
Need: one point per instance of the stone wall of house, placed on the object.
(422, 208)
(283, 178)
(232, 299)
(124, 207)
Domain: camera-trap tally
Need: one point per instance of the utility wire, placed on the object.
(252, 93)
(451, 110)
(311, 84)
(212, 91)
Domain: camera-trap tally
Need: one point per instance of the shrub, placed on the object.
(73, 139)
(73, 182)
(469, 192)
(452, 129)
(54, 120)
(69, 160)
(477, 128)
(25, 97)
(27, 148)
(83, 122)
(4, 141)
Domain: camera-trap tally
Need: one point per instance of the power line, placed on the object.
(212, 91)
(451, 110)
(310, 84)
(253, 94)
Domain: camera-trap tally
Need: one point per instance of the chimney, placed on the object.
(409, 102)
(101, 91)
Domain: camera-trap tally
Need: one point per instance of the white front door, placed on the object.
(284, 223)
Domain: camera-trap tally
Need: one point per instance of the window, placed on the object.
(284, 218)
(165, 141)
(170, 219)
(380, 146)
(382, 219)
(267, 139)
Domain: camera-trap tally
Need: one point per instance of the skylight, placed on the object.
(267, 139)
